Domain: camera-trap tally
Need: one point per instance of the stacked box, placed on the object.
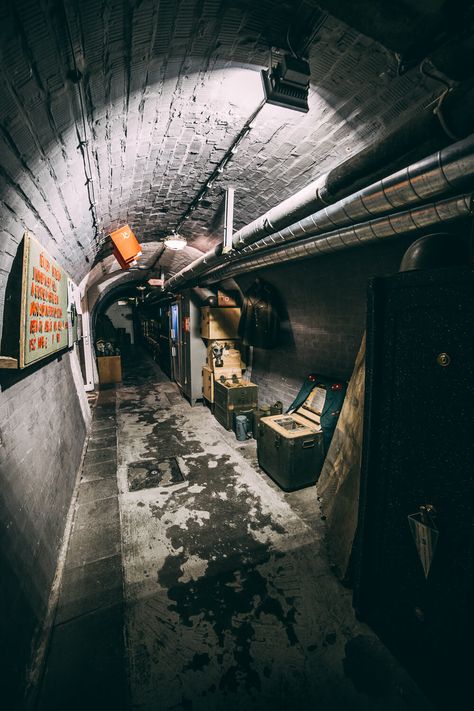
(219, 323)
(231, 398)
(209, 377)
(208, 384)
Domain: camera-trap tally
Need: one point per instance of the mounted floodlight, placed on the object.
(141, 287)
(175, 242)
(287, 83)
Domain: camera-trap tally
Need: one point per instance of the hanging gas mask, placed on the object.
(217, 354)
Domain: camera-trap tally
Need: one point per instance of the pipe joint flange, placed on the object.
(322, 194)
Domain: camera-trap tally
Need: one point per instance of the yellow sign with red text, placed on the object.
(44, 303)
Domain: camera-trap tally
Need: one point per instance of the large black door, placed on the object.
(418, 452)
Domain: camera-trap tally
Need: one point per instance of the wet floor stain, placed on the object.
(230, 602)
(148, 474)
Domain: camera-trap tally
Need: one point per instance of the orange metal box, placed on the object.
(126, 243)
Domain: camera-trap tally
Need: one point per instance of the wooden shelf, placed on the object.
(7, 362)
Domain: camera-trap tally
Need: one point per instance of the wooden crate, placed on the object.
(210, 376)
(219, 323)
(229, 395)
(110, 369)
(208, 384)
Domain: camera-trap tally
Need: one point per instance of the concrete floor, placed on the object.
(227, 602)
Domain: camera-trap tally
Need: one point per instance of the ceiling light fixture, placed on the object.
(287, 83)
(175, 241)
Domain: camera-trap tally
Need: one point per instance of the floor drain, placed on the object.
(150, 474)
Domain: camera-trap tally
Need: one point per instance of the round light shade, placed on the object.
(175, 242)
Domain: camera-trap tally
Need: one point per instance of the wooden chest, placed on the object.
(219, 323)
(209, 377)
(231, 398)
(290, 448)
(110, 369)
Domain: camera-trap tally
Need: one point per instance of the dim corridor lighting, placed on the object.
(175, 242)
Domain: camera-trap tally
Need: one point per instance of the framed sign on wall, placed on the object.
(44, 304)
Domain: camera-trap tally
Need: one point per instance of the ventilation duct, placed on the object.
(401, 223)
(444, 172)
(428, 131)
(429, 178)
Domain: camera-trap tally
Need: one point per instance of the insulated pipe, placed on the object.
(451, 118)
(401, 223)
(442, 172)
(205, 296)
(447, 171)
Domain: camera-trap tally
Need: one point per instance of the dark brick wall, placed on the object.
(325, 304)
(42, 432)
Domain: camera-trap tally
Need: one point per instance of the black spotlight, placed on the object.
(287, 83)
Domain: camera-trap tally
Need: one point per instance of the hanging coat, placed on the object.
(259, 324)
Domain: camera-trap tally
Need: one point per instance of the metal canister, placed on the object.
(277, 408)
(241, 427)
(262, 411)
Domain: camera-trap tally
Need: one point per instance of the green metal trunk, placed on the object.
(292, 463)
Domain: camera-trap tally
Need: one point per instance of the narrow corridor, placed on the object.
(210, 592)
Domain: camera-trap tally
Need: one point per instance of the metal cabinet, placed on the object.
(188, 352)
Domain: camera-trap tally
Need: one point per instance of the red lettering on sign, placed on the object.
(44, 262)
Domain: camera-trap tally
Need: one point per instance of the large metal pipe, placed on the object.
(400, 223)
(451, 118)
(443, 172)
(449, 170)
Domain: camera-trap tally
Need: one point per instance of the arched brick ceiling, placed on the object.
(167, 85)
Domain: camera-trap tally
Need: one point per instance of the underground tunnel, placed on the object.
(236, 354)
